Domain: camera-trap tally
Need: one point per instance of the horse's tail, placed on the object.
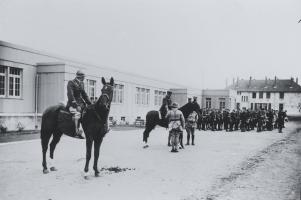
(152, 119)
(49, 120)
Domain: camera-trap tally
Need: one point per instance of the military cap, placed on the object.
(80, 73)
(194, 98)
(169, 92)
(174, 105)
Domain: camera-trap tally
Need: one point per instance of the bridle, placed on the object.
(105, 94)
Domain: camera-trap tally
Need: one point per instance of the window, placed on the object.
(159, 95)
(222, 103)
(244, 98)
(208, 102)
(254, 95)
(2, 81)
(142, 96)
(118, 93)
(14, 82)
(10, 81)
(281, 95)
(91, 89)
(260, 95)
(238, 93)
(251, 106)
(268, 95)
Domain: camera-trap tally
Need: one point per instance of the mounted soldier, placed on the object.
(166, 104)
(77, 100)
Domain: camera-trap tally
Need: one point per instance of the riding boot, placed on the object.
(192, 138)
(78, 131)
(188, 138)
(169, 137)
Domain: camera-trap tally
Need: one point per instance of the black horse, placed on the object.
(153, 119)
(56, 120)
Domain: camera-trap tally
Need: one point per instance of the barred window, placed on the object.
(118, 93)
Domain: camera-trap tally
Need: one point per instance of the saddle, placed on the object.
(65, 122)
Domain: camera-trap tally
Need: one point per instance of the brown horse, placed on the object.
(56, 120)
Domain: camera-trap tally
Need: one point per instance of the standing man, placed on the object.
(176, 123)
(281, 117)
(77, 100)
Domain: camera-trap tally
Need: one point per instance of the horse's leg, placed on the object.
(45, 136)
(55, 139)
(89, 142)
(96, 156)
(148, 129)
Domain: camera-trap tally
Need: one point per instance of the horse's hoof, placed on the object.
(97, 174)
(145, 146)
(45, 171)
(53, 169)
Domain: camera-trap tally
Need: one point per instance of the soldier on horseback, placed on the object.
(166, 104)
(77, 100)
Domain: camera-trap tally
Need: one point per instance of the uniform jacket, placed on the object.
(76, 94)
(176, 116)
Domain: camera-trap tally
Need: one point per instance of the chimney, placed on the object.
(292, 82)
(237, 82)
(266, 81)
(275, 82)
(250, 80)
(297, 80)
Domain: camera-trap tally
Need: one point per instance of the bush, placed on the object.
(3, 128)
(20, 126)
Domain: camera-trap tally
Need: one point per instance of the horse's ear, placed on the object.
(103, 80)
(112, 81)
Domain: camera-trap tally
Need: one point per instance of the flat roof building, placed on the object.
(31, 80)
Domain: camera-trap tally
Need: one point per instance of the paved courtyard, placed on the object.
(222, 165)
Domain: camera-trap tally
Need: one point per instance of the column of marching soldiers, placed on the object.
(245, 120)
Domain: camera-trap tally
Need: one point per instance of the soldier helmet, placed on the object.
(174, 105)
(169, 92)
(80, 73)
(194, 98)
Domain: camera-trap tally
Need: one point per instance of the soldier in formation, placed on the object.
(245, 120)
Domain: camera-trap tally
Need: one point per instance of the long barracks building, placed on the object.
(30, 81)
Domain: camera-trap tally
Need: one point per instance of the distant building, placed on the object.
(31, 80)
(217, 99)
(267, 94)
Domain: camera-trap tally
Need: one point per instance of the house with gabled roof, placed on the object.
(273, 94)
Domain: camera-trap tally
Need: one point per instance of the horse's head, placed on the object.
(189, 108)
(106, 96)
